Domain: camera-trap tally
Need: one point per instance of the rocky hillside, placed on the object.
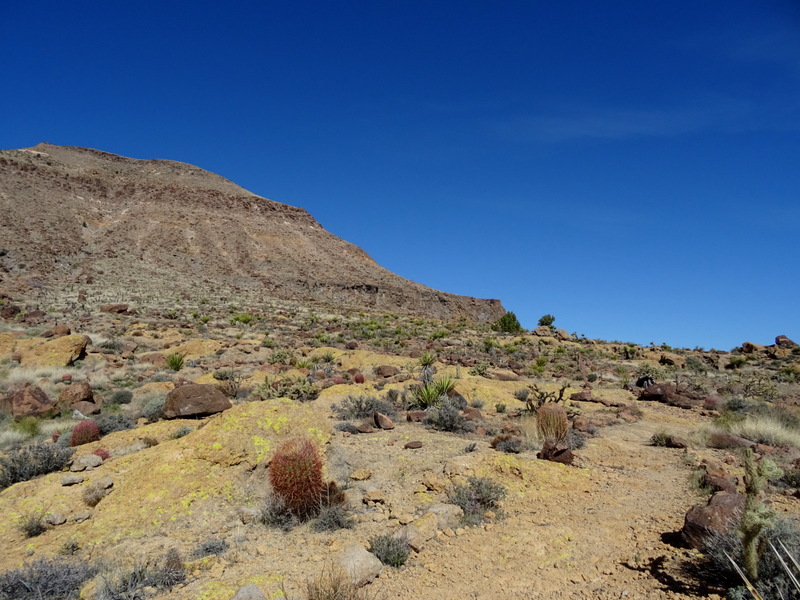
(75, 219)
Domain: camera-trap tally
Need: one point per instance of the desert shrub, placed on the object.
(243, 318)
(575, 440)
(230, 381)
(153, 409)
(45, 579)
(508, 323)
(182, 431)
(552, 422)
(121, 397)
(500, 407)
(162, 573)
(765, 430)
(31, 461)
(481, 369)
(296, 476)
(361, 407)
(28, 426)
(471, 447)
(32, 524)
(207, 548)
(477, 403)
(507, 443)
(332, 518)
(84, 432)
(390, 550)
(334, 584)
(773, 580)
(476, 497)
(659, 438)
(447, 417)
(93, 494)
(175, 361)
(296, 389)
(111, 423)
(281, 357)
(275, 514)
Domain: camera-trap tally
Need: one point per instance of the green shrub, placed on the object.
(447, 417)
(153, 409)
(46, 579)
(546, 320)
(390, 550)
(362, 407)
(121, 397)
(175, 361)
(296, 389)
(481, 369)
(476, 497)
(508, 323)
(296, 476)
(500, 407)
(111, 423)
(659, 438)
(243, 318)
(182, 431)
(28, 426)
(281, 357)
(31, 461)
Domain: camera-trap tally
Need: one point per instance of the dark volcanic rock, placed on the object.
(194, 400)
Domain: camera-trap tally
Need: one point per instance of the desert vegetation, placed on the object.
(192, 449)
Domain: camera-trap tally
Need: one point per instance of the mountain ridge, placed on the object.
(74, 217)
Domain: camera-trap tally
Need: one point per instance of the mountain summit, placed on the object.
(81, 219)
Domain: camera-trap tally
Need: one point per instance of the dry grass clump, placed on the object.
(765, 429)
(334, 584)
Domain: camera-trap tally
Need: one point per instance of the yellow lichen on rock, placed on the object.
(60, 352)
(194, 349)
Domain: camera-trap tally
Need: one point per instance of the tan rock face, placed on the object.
(79, 391)
(60, 352)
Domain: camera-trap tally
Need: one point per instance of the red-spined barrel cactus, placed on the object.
(296, 476)
(84, 432)
(552, 422)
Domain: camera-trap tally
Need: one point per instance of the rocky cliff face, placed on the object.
(72, 218)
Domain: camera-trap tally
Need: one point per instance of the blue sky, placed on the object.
(631, 167)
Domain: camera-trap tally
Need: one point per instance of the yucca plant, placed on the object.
(175, 361)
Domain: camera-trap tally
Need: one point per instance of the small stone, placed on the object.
(461, 531)
(490, 515)
(449, 532)
(383, 421)
(361, 474)
(55, 519)
(76, 467)
(104, 483)
(405, 518)
(71, 480)
(82, 516)
(365, 428)
(249, 592)
(90, 461)
(375, 496)
(413, 445)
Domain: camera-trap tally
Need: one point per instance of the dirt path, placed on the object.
(582, 538)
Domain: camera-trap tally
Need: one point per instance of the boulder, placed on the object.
(563, 335)
(543, 331)
(720, 514)
(60, 352)
(556, 453)
(360, 564)
(86, 408)
(9, 311)
(447, 515)
(57, 331)
(784, 342)
(28, 401)
(386, 371)
(195, 400)
(670, 394)
(79, 391)
(382, 421)
(114, 308)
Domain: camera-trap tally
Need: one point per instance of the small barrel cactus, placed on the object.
(358, 378)
(84, 432)
(296, 476)
(552, 422)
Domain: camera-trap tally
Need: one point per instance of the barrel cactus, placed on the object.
(296, 476)
(84, 432)
(552, 422)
